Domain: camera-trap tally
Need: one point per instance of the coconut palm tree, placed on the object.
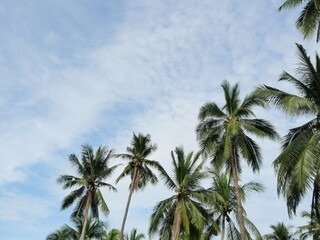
(298, 164)
(182, 213)
(138, 168)
(92, 169)
(60, 234)
(308, 23)
(280, 232)
(222, 133)
(225, 205)
(134, 235)
(312, 229)
(95, 229)
(113, 234)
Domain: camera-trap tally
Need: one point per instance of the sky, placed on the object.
(93, 72)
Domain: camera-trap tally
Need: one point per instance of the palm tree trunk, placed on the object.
(176, 223)
(223, 227)
(128, 202)
(314, 213)
(239, 205)
(85, 217)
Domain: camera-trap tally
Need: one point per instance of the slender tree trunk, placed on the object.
(176, 223)
(238, 195)
(223, 227)
(133, 182)
(85, 217)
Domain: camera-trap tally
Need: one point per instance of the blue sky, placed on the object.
(77, 72)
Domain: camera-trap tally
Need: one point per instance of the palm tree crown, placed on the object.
(308, 23)
(312, 228)
(280, 232)
(183, 212)
(92, 169)
(222, 133)
(224, 205)
(113, 234)
(95, 229)
(61, 234)
(134, 235)
(298, 165)
(138, 167)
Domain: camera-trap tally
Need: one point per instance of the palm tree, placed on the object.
(93, 169)
(95, 229)
(225, 205)
(222, 133)
(312, 229)
(308, 23)
(280, 232)
(61, 234)
(134, 235)
(183, 212)
(113, 234)
(138, 168)
(298, 164)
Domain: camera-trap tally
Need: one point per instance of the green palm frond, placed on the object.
(209, 110)
(260, 128)
(232, 232)
(231, 97)
(74, 195)
(61, 234)
(290, 4)
(127, 171)
(101, 202)
(250, 101)
(160, 212)
(69, 181)
(134, 235)
(297, 164)
(184, 216)
(250, 151)
(289, 103)
(308, 21)
(280, 231)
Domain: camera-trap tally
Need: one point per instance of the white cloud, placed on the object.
(21, 208)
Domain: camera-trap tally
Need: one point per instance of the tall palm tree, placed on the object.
(93, 169)
(138, 168)
(134, 235)
(225, 205)
(280, 232)
(312, 229)
(308, 23)
(183, 212)
(222, 133)
(298, 164)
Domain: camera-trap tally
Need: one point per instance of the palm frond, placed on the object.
(308, 20)
(69, 199)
